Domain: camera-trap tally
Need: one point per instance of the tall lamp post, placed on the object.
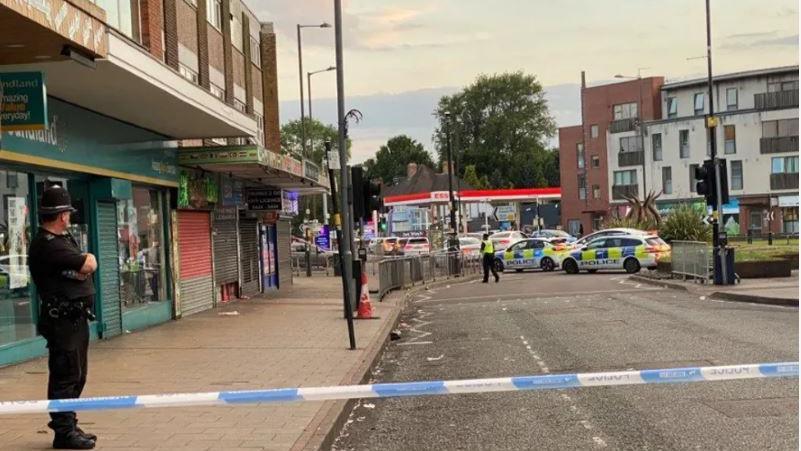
(300, 73)
(640, 121)
(311, 138)
(453, 241)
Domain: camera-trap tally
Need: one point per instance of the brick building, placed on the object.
(583, 148)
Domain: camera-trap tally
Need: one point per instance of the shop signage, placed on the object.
(323, 238)
(263, 199)
(788, 201)
(196, 191)
(505, 213)
(238, 155)
(225, 214)
(23, 101)
(292, 166)
(289, 203)
(231, 192)
(311, 171)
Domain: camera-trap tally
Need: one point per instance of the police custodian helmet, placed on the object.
(55, 200)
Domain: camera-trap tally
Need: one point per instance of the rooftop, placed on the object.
(732, 76)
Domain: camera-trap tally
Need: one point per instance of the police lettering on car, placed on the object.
(630, 253)
(531, 253)
(63, 277)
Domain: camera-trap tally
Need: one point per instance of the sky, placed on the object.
(401, 56)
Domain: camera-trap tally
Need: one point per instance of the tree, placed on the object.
(392, 158)
(317, 134)
(500, 124)
(470, 176)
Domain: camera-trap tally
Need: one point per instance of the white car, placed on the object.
(502, 240)
(586, 239)
(469, 245)
(627, 252)
(530, 253)
(414, 246)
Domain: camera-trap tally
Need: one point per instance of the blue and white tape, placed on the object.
(428, 388)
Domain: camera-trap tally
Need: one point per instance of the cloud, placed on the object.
(759, 34)
(746, 42)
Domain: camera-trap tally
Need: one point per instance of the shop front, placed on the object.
(119, 177)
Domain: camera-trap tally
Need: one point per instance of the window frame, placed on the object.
(581, 183)
(596, 191)
(667, 182)
(733, 175)
(628, 110)
(686, 145)
(699, 96)
(214, 13)
(255, 51)
(729, 142)
(594, 131)
(628, 140)
(595, 161)
(729, 105)
(654, 147)
(581, 162)
(632, 173)
(672, 107)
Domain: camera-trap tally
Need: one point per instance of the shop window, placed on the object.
(790, 220)
(755, 221)
(143, 279)
(16, 307)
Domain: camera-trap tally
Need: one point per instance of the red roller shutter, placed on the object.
(194, 247)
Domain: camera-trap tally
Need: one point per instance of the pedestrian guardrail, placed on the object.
(402, 272)
(319, 262)
(691, 259)
(419, 388)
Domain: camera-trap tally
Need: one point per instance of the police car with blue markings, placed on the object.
(627, 252)
(530, 253)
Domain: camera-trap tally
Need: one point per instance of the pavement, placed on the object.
(540, 323)
(777, 291)
(294, 338)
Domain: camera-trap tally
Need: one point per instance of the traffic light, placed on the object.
(705, 182)
(366, 195)
(382, 223)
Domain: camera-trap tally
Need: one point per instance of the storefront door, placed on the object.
(249, 254)
(269, 257)
(108, 269)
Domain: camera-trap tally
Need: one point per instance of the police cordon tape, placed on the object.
(386, 390)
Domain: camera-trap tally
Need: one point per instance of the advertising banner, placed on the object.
(23, 101)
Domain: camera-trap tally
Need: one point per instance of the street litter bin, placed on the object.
(729, 268)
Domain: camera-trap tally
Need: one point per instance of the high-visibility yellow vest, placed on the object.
(488, 247)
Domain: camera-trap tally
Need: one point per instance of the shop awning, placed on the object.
(257, 164)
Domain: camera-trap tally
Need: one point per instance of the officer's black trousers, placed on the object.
(489, 265)
(67, 343)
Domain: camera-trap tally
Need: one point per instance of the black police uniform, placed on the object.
(66, 300)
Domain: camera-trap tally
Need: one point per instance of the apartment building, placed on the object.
(583, 149)
(103, 98)
(757, 135)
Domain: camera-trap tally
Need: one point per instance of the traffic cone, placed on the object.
(365, 309)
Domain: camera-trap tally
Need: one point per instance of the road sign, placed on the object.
(505, 213)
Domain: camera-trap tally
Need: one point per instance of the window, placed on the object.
(237, 39)
(755, 222)
(790, 220)
(240, 105)
(736, 174)
(626, 177)
(780, 128)
(594, 131)
(684, 143)
(214, 13)
(255, 52)
(692, 177)
(188, 73)
(729, 141)
(656, 146)
(596, 192)
(698, 103)
(580, 155)
(582, 187)
(783, 86)
(598, 244)
(217, 91)
(597, 223)
(119, 15)
(630, 144)
(731, 99)
(784, 165)
(16, 322)
(596, 161)
(625, 111)
(667, 180)
(574, 227)
(141, 248)
(672, 107)
(260, 127)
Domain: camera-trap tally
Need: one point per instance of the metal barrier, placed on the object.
(691, 259)
(319, 262)
(403, 272)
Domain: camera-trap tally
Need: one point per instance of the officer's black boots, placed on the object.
(72, 440)
(88, 435)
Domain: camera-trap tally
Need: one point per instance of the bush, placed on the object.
(628, 223)
(685, 223)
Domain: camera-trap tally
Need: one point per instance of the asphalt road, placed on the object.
(536, 323)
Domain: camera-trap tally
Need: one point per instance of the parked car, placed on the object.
(586, 239)
(502, 240)
(554, 236)
(531, 253)
(627, 252)
(469, 245)
(414, 246)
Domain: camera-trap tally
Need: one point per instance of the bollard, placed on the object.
(770, 238)
(750, 235)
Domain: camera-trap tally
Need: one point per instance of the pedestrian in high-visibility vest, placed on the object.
(488, 258)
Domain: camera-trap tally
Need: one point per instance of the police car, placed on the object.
(531, 253)
(628, 252)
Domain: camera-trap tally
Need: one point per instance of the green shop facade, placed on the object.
(122, 180)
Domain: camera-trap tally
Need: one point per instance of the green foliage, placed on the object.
(392, 158)
(471, 177)
(316, 135)
(685, 223)
(629, 223)
(500, 124)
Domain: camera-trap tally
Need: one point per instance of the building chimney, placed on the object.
(445, 167)
(411, 170)
(583, 81)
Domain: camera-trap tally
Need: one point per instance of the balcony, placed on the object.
(627, 125)
(619, 192)
(784, 180)
(778, 144)
(774, 100)
(635, 158)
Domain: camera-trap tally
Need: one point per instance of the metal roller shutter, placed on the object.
(226, 250)
(194, 244)
(284, 241)
(109, 268)
(249, 245)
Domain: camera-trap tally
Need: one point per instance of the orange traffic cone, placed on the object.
(365, 309)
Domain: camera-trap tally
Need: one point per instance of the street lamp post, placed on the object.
(300, 73)
(640, 121)
(311, 138)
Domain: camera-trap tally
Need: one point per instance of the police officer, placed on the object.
(488, 258)
(63, 278)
